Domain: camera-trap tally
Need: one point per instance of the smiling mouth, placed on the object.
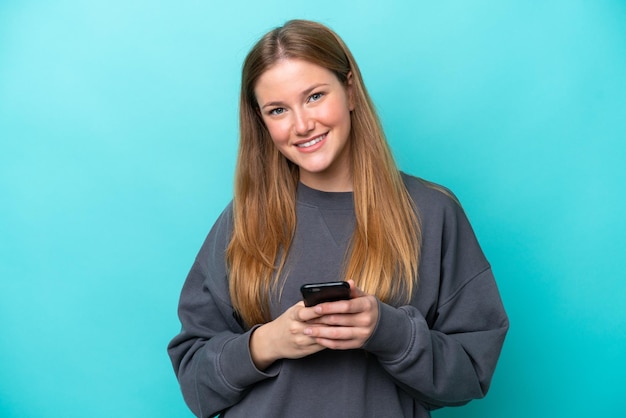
(311, 142)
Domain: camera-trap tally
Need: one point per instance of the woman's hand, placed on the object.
(302, 331)
(342, 325)
(284, 337)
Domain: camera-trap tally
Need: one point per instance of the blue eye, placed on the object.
(277, 111)
(315, 97)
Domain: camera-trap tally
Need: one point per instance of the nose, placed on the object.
(303, 123)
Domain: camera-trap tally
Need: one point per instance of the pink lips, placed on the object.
(312, 143)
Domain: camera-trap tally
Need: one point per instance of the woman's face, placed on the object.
(306, 110)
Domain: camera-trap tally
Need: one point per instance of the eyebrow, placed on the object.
(304, 93)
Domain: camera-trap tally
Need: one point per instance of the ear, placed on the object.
(350, 90)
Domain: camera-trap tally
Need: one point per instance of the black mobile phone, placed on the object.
(314, 293)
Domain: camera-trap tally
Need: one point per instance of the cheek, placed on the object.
(338, 115)
(278, 131)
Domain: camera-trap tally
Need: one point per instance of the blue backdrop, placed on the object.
(118, 135)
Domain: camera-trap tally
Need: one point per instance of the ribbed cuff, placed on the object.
(392, 336)
(237, 366)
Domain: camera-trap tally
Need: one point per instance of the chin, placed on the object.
(314, 171)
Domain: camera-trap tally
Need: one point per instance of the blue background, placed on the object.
(118, 135)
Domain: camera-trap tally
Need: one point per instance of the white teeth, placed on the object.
(311, 142)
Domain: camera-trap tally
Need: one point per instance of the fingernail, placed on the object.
(308, 331)
(318, 309)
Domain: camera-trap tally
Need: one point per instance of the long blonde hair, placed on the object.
(384, 254)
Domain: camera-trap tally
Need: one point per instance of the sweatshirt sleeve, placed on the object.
(444, 352)
(211, 355)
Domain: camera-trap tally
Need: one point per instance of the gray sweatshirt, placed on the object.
(439, 350)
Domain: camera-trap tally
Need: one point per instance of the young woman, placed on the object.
(319, 198)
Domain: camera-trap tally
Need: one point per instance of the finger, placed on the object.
(355, 292)
(301, 313)
(338, 344)
(358, 320)
(308, 314)
(328, 333)
(352, 306)
(340, 337)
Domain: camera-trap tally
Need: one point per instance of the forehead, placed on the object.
(291, 76)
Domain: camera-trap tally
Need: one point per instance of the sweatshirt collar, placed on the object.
(324, 200)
